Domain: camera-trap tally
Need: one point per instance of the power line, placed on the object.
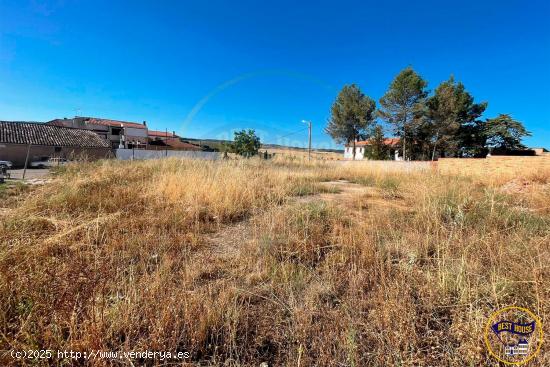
(295, 132)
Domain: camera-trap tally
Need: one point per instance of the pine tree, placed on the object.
(505, 133)
(378, 149)
(451, 114)
(403, 104)
(351, 114)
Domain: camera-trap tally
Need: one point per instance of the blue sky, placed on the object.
(207, 68)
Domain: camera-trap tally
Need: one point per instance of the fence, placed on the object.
(130, 154)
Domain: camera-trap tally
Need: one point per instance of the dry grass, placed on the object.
(223, 260)
(302, 154)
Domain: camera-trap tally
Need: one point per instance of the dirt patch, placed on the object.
(359, 201)
(229, 239)
(522, 186)
(5, 211)
(356, 199)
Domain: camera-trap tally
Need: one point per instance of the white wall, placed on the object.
(132, 131)
(359, 153)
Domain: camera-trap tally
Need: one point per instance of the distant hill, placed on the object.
(207, 144)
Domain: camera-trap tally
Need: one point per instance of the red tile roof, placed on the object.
(387, 141)
(107, 122)
(14, 132)
(160, 134)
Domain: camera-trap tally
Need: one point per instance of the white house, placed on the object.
(361, 146)
(522, 348)
(359, 152)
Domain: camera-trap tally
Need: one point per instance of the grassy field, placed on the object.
(283, 261)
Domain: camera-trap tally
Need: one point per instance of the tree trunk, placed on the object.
(435, 145)
(353, 148)
(404, 146)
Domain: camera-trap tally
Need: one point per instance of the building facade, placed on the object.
(31, 141)
(127, 135)
(120, 134)
(361, 148)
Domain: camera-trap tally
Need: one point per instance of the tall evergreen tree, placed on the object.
(505, 133)
(351, 114)
(473, 139)
(377, 148)
(403, 104)
(451, 114)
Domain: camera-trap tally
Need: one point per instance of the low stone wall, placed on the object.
(129, 154)
(492, 165)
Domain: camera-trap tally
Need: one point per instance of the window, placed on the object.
(57, 149)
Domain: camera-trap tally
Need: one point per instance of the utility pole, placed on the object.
(26, 161)
(309, 136)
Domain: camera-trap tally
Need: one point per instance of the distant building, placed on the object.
(42, 140)
(541, 151)
(362, 146)
(120, 134)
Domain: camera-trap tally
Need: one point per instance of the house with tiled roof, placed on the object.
(120, 134)
(361, 148)
(161, 134)
(22, 139)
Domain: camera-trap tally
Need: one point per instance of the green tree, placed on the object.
(473, 139)
(246, 143)
(505, 133)
(377, 148)
(403, 104)
(351, 114)
(226, 147)
(451, 113)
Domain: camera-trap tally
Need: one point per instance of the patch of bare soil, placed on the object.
(359, 201)
(5, 211)
(219, 256)
(356, 199)
(521, 186)
(529, 195)
(229, 239)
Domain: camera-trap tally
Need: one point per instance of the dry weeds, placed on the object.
(228, 261)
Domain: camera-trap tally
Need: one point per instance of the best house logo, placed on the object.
(513, 335)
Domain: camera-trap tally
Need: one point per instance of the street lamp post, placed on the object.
(309, 136)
